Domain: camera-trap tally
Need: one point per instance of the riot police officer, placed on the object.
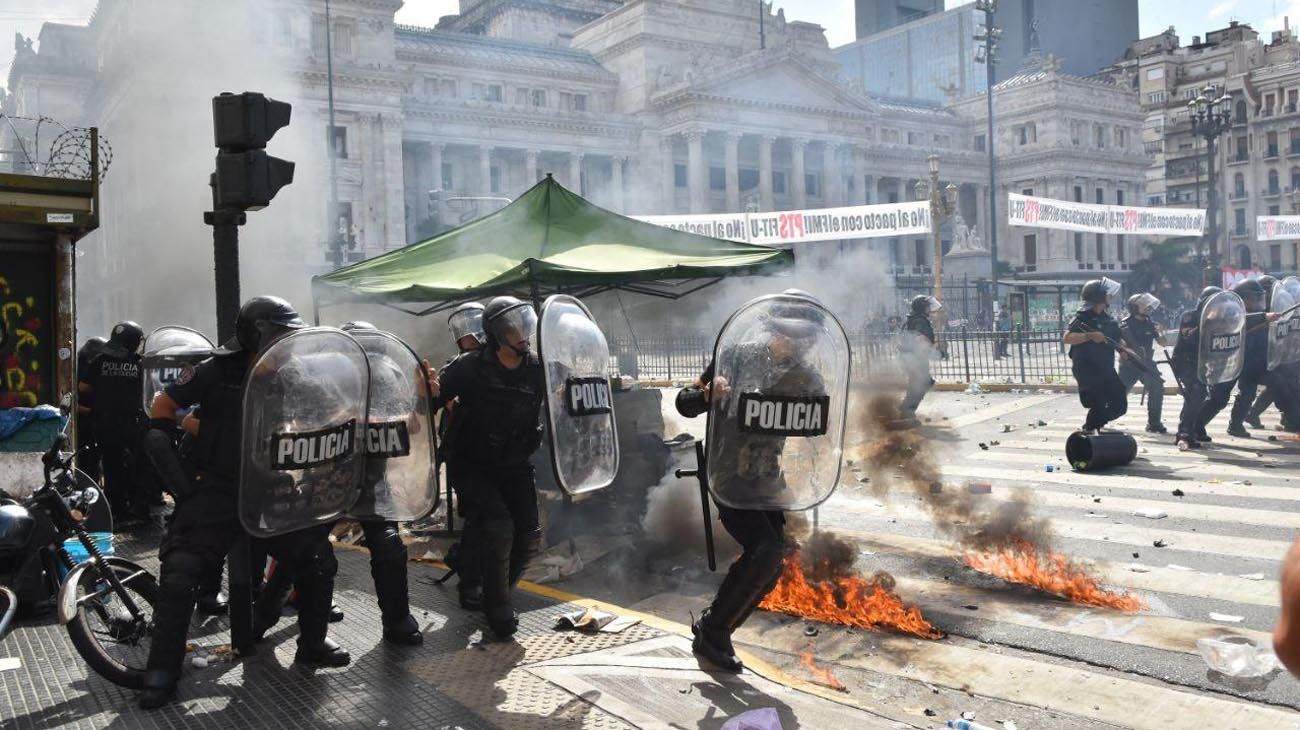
(117, 419)
(206, 523)
(761, 533)
(1141, 333)
(88, 459)
(466, 327)
(499, 392)
(1280, 383)
(1092, 336)
(1186, 357)
(1253, 371)
(916, 345)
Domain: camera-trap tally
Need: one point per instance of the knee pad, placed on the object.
(182, 572)
(318, 560)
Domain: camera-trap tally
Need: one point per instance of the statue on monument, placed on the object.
(966, 239)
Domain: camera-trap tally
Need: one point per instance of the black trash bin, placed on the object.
(1097, 451)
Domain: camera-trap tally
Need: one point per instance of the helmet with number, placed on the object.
(261, 321)
(126, 336)
(1206, 293)
(92, 347)
(466, 321)
(925, 305)
(507, 318)
(358, 324)
(1268, 282)
(1251, 292)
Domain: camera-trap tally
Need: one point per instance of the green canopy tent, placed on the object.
(548, 240)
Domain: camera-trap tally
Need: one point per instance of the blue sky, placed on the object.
(1190, 17)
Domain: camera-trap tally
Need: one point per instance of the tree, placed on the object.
(1166, 272)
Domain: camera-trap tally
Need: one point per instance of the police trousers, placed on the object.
(1151, 383)
(761, 535)
(502, 530)
(1194, 395)
(1102, 393)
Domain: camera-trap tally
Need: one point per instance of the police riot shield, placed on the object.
(1280, 332)
(167, 350)
(302, 451)
(1222, 352)
(777, 411)
(579, 399)
(1292, 286)
(400, 483)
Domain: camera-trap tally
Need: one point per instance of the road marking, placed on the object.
(993, 412)
(1126, 482)
(10, 663)
(1104, 531)
(1057, 446)
(1155, 579)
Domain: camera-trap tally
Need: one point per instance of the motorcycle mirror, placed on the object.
(90, 495)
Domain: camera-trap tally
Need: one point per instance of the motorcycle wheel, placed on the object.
(8, 607)
(111, 640)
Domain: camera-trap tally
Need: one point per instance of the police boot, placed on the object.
(270, 603)
(159, 689)
(713, 643)
(405, 632)
(213, 603)
(503, 621)
(1253, 421)
(314, 646)
(1156, 427)
(325, 653)
(1235, 428)
(1204, 437)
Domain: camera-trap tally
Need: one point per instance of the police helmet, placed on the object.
(261, 320)
(508, 316)
(466, 321)
(358, 324)
(1268, 282)
(1144, 303)
(925, 305)
(127, 336)
(1248, 288)
(92, 347)
(1094, 292)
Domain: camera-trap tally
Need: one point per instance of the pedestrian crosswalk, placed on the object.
(1197, 535)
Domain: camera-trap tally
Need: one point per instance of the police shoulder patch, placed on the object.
(185, 375)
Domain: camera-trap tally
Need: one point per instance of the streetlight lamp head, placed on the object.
(933, 160)
(921, 190)
(950, 193)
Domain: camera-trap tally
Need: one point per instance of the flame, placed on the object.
(821, 676)
(1023, 562)
(848, 601)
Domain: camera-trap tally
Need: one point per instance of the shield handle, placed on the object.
(703, 476)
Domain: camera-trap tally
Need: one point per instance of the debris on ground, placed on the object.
(1160, 543)
(984, 446)
(1226, 618)
(971, 607)
(1139, 568)
(974, 389)
(1007, 428)
(1151, 513)
(595, 621)
(1237, 656)
(1135, 555)
(936, 488)
(560, 566)
(811, 630)
(198, 662)
(1097, 500)
(1178, 493)
(1253, 576)
(761, 719)
(930, 713)
(979, 488)
(1173, 566)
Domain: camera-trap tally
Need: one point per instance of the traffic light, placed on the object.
(248, 178)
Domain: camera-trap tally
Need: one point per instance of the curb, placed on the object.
(1058, 388)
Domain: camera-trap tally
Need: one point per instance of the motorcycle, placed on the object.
(105, 601)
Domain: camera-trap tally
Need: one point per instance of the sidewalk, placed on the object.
(644, 677)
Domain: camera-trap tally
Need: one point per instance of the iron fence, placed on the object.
(980, 356)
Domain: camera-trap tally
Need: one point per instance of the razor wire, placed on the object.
(67, 155)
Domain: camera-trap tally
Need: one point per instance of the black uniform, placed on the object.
(464, 555)
(205, 523)
(1093, 365)
(1185, 366)
(88, 457)
(1253, 372)
(498, 427)
(916, 342)
(117, 420)
(1140, 335)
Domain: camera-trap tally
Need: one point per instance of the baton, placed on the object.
(1138, 361)
(1177, 380)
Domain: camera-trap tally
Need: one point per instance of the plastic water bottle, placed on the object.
(967, 725)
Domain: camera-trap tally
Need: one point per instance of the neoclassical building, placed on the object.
(646, 107)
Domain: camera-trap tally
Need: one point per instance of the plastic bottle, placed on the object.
(967, 725)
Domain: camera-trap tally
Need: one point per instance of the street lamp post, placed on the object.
(943, 203)
(986, 53)
(1211, 116)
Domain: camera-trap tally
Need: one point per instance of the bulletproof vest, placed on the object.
(497, 421)
(447, 419)
(1096, 353)
(216, 450)
(1140, 333)
(115, 382)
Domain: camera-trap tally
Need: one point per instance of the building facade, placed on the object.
(931, 59)
(875, 16)
(1257, 160)
(658, 106)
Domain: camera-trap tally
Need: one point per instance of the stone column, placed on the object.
(530, 166)
(616, 182)
(485, 169)
(435, 159)
(797, 187)
(575, 172)
(861, 183)
(834, 179)
(733, 171)
(765, 200)
(696, 172)
(669, 174)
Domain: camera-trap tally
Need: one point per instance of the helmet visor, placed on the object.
(1146, 303)
(515, 326)
(934, 304)
(468, 321)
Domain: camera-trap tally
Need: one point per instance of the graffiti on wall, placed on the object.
(23, 359)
